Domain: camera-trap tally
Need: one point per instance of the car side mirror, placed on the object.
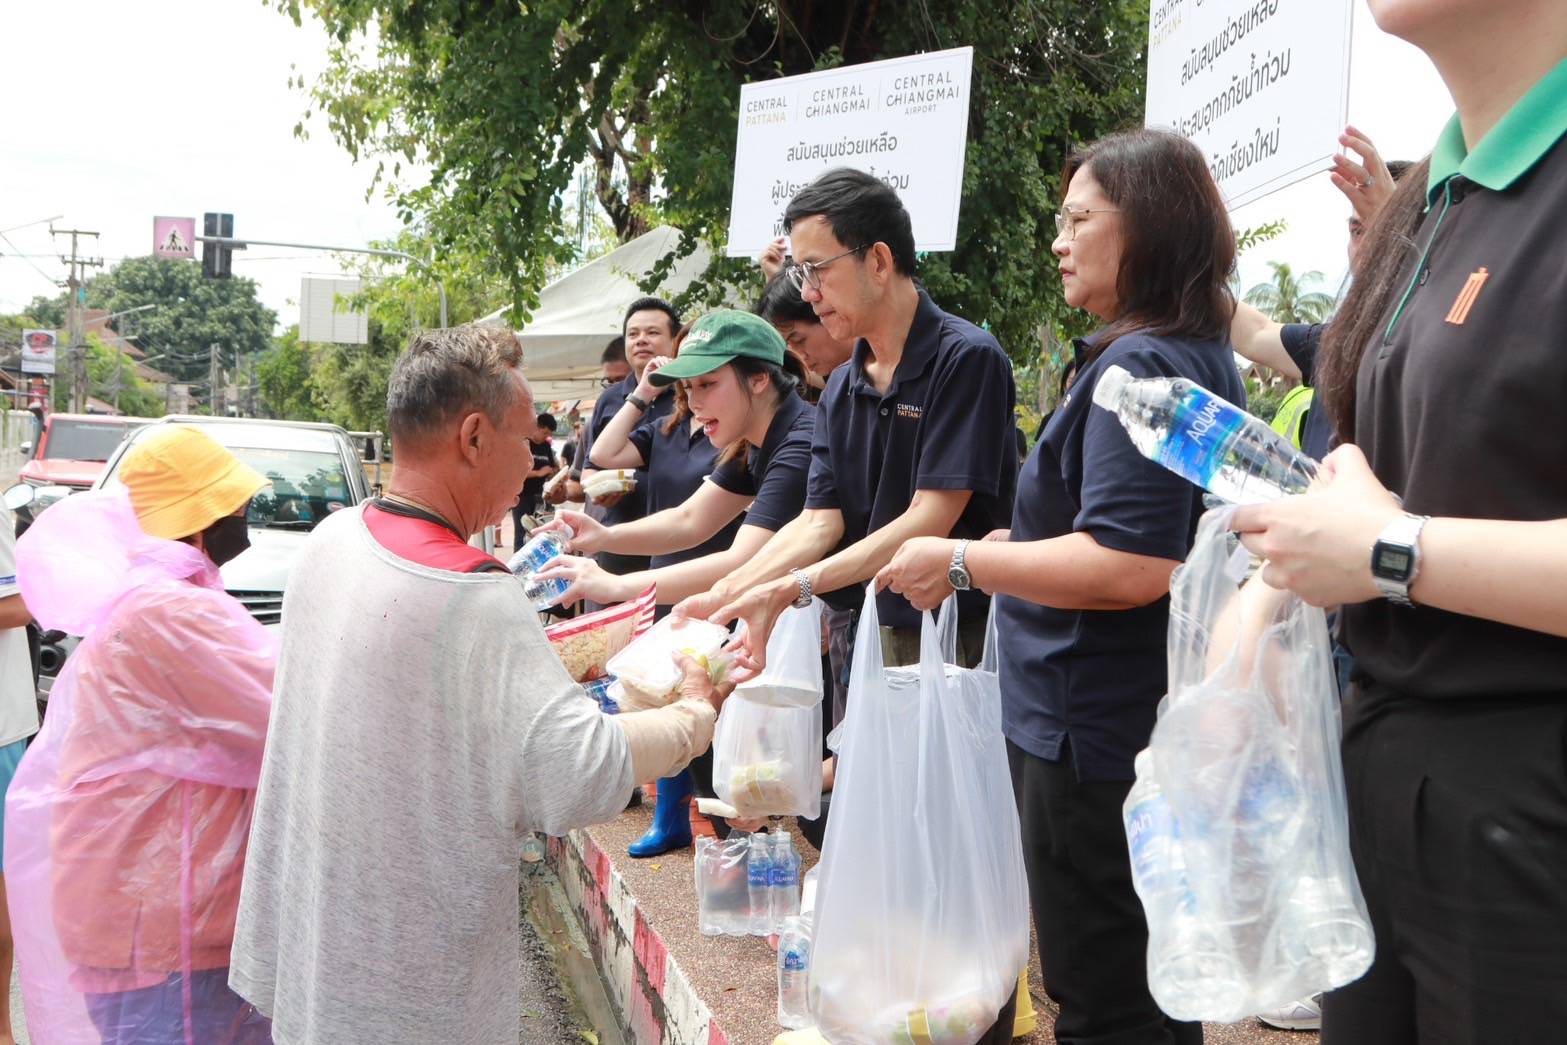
(27, 448)
(18, 496)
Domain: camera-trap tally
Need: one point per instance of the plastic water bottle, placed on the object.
(1205, 440)
(1192, 969)
(794, 967)
(1323, 926)
(759, 875)
(531, 558)
(785, 888)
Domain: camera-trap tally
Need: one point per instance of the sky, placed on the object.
(113, 114)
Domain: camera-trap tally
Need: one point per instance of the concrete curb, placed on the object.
(652, 996)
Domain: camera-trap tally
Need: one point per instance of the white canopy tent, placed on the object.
(581, 311)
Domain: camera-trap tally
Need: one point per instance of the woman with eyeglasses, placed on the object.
(1082, 579)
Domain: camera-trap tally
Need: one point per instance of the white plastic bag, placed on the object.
(1237, 824)
(723, 889)
(793, 675)
(767, 761)
(922, 906)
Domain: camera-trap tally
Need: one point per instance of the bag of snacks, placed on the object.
(585, 644)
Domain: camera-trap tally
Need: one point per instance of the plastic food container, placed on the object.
(647, 667)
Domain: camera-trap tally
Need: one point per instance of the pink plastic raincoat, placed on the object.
(126, 824)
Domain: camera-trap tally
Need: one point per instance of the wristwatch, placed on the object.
(957, 573)
(804, 598)
(637, 401)
(1395, 557)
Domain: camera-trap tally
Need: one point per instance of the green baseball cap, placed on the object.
(722, 337)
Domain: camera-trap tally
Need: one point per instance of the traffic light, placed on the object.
(217, 259)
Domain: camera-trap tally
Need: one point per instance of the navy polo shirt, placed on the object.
(944, 423)
(1096, 676)
(634, 505)
(677, 462)
(774, 474)
(1302, 341)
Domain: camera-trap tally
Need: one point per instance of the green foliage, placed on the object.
(502, 102)
(1263, 398)
(134, 396)
(193, 313)
(1247, 238)
(284, 379)
(1289, 299)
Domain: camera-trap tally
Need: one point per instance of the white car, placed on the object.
(315, 470)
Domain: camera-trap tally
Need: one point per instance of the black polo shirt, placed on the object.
(945, 423)
(543, 457)
(677, 462)
(1459, 401)
(634, 505)
(773, 475)
(1096, 676)
(1302, 341)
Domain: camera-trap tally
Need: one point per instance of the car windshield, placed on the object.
(82, 440)
(306, 487)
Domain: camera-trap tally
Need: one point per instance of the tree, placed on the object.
(1289, 299)
(111, 377)
(501, 102)
(284, 379)
(193, 313)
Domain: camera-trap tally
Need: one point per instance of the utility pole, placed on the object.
(77, 351)
(214, 389)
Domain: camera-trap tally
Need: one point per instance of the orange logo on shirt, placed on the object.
(1466, 297)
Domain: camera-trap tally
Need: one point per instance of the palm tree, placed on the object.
(1289, 298)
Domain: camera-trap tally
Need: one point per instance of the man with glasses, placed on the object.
(913, 435)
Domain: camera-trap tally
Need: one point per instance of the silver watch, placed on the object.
(1395, 557)
(804, 598)
(957, 572)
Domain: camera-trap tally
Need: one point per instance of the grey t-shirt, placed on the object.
(421, 725)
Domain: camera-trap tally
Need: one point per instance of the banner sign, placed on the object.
(904, 120)
(174, 238)
(38, 351)
(1260, 86)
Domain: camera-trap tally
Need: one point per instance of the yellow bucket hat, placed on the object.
(182, 481)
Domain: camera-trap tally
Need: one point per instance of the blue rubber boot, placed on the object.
(671, 821)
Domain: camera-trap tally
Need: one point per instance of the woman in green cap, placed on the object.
(743, 389)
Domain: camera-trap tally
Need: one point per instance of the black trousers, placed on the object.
(1093, 937)
(1458, 824)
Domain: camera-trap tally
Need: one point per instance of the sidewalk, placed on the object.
(670, 985)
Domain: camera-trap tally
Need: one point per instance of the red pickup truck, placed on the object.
(74, 448)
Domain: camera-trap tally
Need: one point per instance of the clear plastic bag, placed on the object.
(723, 888)
(585, 644)
(645, 671)
(767, 761)
(1237, 823)
(793, 675)
(921, 919)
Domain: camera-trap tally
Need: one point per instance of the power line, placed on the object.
(28, 258)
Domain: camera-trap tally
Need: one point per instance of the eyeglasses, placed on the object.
(810, 272)
(1067, 220)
